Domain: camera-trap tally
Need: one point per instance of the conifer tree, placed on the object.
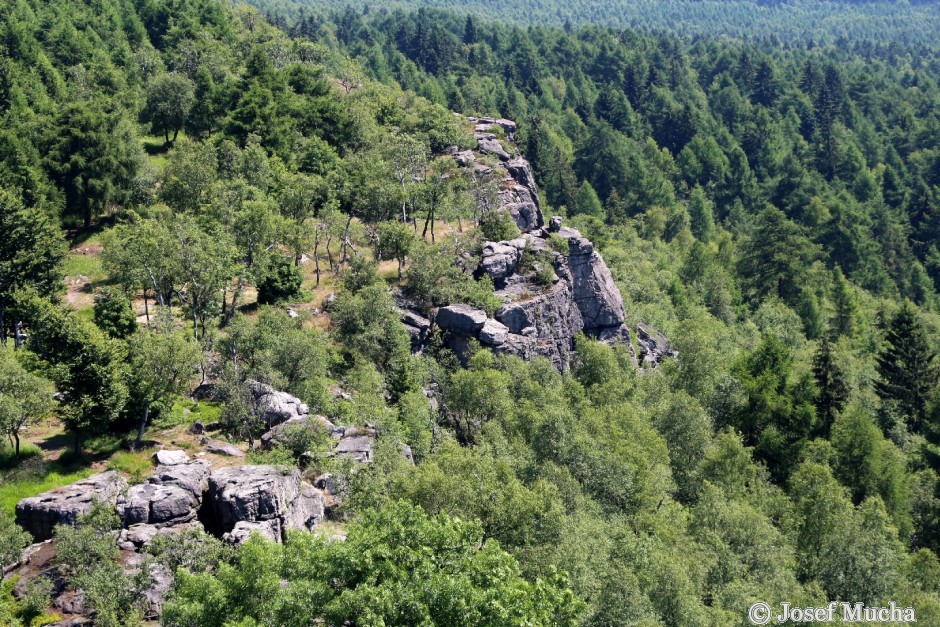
(906, 366)
(831, 386)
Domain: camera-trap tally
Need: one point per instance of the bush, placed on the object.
(12, 540)
(498, 226)
(192, 549)
(282, 281)
(113, 314)
(86, 555)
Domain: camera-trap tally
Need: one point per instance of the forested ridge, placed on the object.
(213, 214)
(783, 22)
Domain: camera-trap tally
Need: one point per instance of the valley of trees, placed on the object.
(241, 198)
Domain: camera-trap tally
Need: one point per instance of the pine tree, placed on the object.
(701, 216)
(830, 383)
(470, 31)
(846, 307)
(906, 366)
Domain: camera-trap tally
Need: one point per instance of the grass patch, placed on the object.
(136, 465)
(8, 460)
(186, 412)
(84, 265)
(34, 476)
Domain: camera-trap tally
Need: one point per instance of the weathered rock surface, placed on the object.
(654, 347)
(278, 406)
(156, 504)
(358, 448)
(262, 493)
(462, 319)
(192, 477)
(223, 448)
(270, 529)
(39, 514)
(491, 146)
(169, 458)
(536, 319)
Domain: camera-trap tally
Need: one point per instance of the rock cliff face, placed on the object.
(541, 315)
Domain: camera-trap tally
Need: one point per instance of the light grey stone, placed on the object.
(170, 458)
(40, 514)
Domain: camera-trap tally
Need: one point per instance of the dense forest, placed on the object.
(782, 22)
(199, 201)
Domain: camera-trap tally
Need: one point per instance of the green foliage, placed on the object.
(281, 351)
(498, 226)
(24, 397)
(86, 556)
(396, 565)
(86, 366)
(192, 549)
(169, 99)
(906, 366)
(281, 281)
(12, 539)
(434, 280)
(114, 314)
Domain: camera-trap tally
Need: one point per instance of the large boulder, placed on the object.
(461, 319)
(40, 514)
(258, 494)
(593, 287)
(192, 477)
(277, 406)
(156, 504)
(170, 458)
(358, 448)
(490, 146)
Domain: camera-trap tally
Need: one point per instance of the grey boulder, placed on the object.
(40, 514)
(262, 493)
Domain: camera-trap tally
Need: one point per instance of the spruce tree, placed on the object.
(906, 366)
(831, 387)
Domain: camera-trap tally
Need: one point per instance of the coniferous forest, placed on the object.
(520, 314)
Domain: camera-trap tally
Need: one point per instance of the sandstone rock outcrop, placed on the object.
(539, 317)
(277, 406)
(40, 514)
(257, 494)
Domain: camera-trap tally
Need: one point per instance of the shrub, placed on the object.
(498, 226)
(282, 281)
(113, 314)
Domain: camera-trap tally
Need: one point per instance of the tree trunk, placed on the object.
(142, 427)
(16, 444)
(79, 443)
(18, 334)
(146, 307)
(176, 134)
(316, 257)
(346, 243)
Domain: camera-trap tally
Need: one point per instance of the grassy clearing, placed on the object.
(186, 412)
(137, 465)
(77, 264)
(32, 475)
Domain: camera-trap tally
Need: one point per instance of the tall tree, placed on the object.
(86, 366)
(775, 260)
(832, 391)
(24, 397)
(162, 362)
(31, 252)
(907, 367)
(89, 158)
(169, 99)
